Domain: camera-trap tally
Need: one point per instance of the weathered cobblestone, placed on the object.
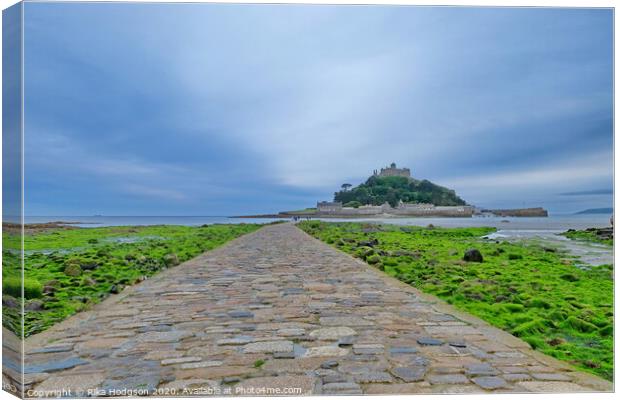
(277, 309)
(490, 382)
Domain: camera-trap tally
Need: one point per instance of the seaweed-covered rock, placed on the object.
(171, 260)
(52, 282)
(368, 243)
(570, 277)
(34, 305)
(10, 302)
(365, 251)
(73, 270)
(89, 265)
(88, 281)
(49, 289)
(404, 253)
(473, 255)
(373, 259)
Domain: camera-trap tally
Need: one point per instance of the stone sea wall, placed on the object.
(519, 212)
(411, 211)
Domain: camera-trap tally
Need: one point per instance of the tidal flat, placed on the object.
(594, 235)
(538, 293)
(67, 270)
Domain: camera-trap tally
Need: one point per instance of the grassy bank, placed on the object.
(531, 291)
(67, 270)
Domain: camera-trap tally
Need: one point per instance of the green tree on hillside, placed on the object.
(392, 189)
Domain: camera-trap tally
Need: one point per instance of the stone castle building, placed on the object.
(392, 170)
(336, 208)
(329, 206)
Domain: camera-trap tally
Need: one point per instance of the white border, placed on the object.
(479, 3)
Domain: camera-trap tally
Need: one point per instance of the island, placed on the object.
(392, 192)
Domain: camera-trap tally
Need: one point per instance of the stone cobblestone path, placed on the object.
(278, 312)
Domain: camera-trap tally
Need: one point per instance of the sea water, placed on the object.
(509, 225)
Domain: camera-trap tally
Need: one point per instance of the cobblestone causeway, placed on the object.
(278, 312)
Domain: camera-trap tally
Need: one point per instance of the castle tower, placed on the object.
(393, 170)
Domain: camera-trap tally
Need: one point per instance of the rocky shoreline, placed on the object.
(518, 212)
(515, 212)
(13, 228)
(595, 235)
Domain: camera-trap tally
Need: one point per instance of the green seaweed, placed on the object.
(69, 270)
(541, 296)
(589, 235)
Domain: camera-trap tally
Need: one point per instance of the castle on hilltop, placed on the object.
(392, 170)
(415, 199)
(418, 209)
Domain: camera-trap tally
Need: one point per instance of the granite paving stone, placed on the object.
(181, 360)
(430, 341)
(403, 350)
(409, 374)
(517, 377)
(278, 346)
(333, 333)
(551, 377)
(489, 382)
(447, 379)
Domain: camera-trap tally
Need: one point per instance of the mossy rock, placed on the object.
(473, 255)
(366, 251)
(570, 277)
(88, 281)
(171, 260)
(53, 283)
(103, 253)
(73, 270)
(373, 259)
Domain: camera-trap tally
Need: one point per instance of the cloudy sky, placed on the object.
(180, 109)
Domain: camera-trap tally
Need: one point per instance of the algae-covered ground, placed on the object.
(534, 292)
(68, 270)
(594, 235)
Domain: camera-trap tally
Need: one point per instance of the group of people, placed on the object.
(297, 218)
